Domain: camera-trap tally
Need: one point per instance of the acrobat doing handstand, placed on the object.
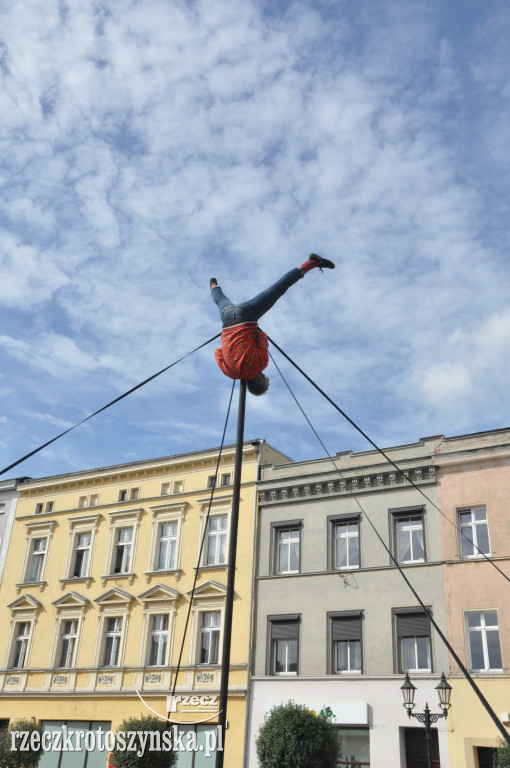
(243, 352)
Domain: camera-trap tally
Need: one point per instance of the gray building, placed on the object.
(335, 624)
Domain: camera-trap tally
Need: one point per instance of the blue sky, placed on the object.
(146, 146)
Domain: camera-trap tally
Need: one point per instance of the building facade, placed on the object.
(96, 593)
(8, 501)
(335, 623)
(473, 477)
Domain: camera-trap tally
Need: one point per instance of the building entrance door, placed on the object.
(416, 748)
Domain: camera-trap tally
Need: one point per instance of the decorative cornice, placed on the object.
(293, 489)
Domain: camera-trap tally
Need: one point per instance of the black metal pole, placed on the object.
(428, 735)
(232, 552)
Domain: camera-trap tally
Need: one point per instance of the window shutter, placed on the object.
(413, 624)
(346, 628)
(285, 630)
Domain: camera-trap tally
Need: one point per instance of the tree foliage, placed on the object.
(293, 736)
(502, 755)
(15, 758)
(123, 758)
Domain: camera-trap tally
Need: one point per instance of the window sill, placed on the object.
(130, 577)
(149, 575)
(86, 580)
(213, 566)
(23, 584)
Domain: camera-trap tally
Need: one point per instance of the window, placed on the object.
(178, 486)
(93, 500)
(2, 508)
(209, 637)
(158, 640)
(81, 555)
(134, 494)
(50, 505)
(287, 549)
(122, 551)
(484, 652)
(216, 540)
(112, 638)
(226, 478)
(346, 544)
(413, 637)
(474, 532)
(354, 746)
(39, 508)
(36, 560)
(211, 481)
(284, 645)
(68, 643)
(21, 639)
(82, 502)
(409, 538)
(165, 489)
(123, 494)
(167, 546)
(346, 643)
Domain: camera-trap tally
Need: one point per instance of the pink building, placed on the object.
(473, 476)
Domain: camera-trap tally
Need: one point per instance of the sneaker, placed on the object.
(322, 263)
(213, 282)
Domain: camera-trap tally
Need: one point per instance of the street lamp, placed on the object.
(444, 691)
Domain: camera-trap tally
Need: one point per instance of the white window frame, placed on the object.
(226, 479)
(24, 609)
(409, 529)
(113, 604)
(121, 519)
(69, 607)
(279, 529)
(473, 536)
(34, 531)
(216, 535)
(222, 505)
(348, 535)
(165, 513)
(402, 614)
(78, 526)
(273, 621)
(158, 600)
(483, 629)
(25, 643)
(209, 596)
(207, 631)
(347, 616)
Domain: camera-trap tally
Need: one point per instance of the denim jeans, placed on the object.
(252, 310)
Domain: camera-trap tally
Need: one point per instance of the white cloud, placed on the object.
(148, 146)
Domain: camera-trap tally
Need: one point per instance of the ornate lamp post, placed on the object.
(444, 692)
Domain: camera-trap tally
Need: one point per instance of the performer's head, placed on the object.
(259, 385)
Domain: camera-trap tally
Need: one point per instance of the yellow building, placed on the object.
(96, 591)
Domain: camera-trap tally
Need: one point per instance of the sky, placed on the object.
(146, 146)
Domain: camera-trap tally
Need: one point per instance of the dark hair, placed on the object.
(259, 385)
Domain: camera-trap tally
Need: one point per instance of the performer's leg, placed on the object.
(260, 304)
(225, 306)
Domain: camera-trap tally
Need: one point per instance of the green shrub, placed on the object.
(149, 759)
(292, 736)
(503, 755)
(10, 758)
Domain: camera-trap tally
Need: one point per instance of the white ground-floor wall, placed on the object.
(370, 706)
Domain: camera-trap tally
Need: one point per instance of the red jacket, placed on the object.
(243, 352)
